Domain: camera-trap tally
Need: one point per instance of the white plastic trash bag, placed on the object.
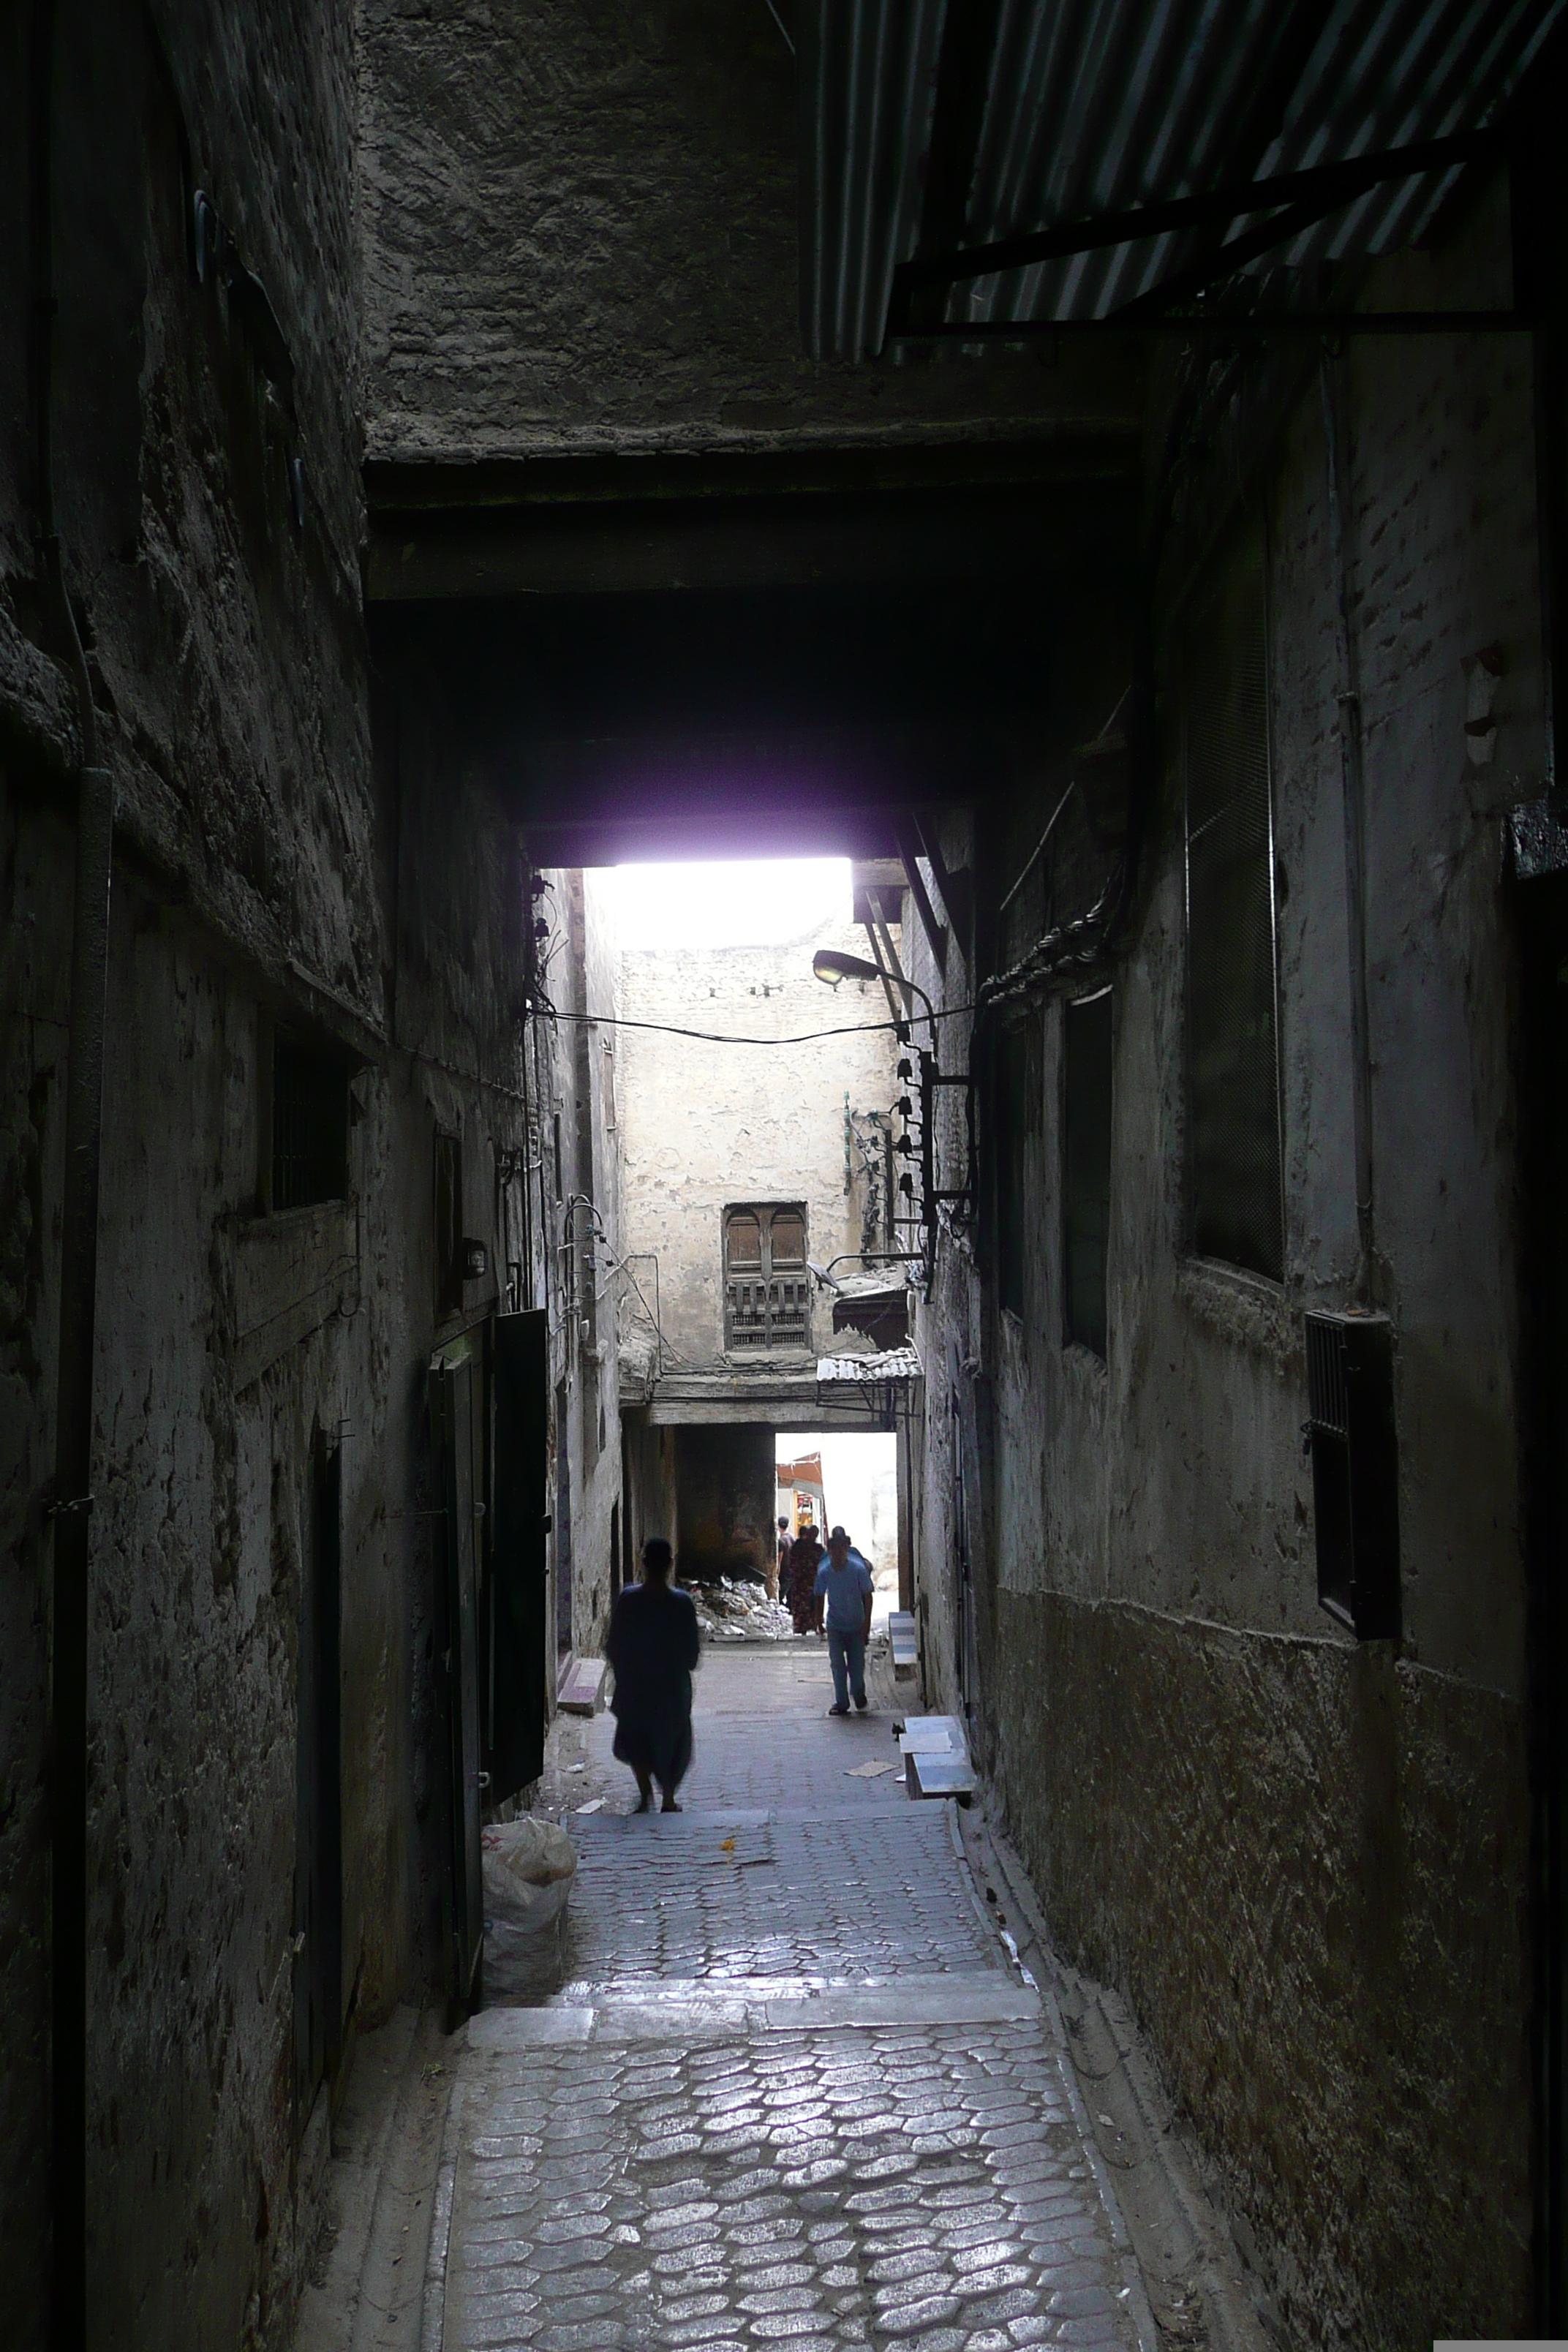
(529, 1866)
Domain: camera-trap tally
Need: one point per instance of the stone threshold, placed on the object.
(684, 2007)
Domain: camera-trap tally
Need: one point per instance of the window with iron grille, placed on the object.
(767, 1284)
(1086, 1168)
(309, 1126)
(1233, 1061)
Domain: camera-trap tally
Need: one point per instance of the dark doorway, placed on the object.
(724, 1501)
(456, 1402)
(562, 1526)
(516, 1602)
(318, 1842)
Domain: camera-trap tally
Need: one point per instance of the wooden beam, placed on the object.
(935, 930)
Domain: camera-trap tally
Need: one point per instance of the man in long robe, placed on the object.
(654, 1645)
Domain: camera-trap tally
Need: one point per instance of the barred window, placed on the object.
(1233, 1062)
(767, 1284)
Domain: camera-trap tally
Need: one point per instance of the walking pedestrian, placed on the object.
(805, 1554)
(779, 1572)
(843, 1589)
(653, 1645)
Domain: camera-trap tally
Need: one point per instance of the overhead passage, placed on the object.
(776, 722)
(931, 130)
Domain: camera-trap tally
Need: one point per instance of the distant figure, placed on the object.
(803, 1555)
(653, 1645)
(843, 1586)
(780, 1569)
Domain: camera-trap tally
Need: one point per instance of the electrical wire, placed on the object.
(622, 1265)
(715, 1037)
(783, 29)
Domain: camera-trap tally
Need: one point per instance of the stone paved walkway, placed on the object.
(792, 2095)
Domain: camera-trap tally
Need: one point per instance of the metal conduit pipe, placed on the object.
(71, 1503)
(1353, 786)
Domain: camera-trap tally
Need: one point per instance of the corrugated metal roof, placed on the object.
(868, 77)
(1095, 105)
(892, 1364)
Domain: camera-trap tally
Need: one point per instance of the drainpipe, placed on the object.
(1353, 787)
(71, 1500)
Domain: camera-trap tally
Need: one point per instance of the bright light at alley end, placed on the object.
(833, 965)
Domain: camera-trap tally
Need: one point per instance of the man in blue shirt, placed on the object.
(844, 1588)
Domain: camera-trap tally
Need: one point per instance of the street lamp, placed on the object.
(832, 965)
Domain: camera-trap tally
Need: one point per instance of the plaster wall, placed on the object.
(1303, 1861)
(709, 1125)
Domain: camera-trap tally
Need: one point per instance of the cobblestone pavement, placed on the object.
(793, 2097)
(830, 1895)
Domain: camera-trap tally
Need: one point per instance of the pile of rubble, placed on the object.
(735, 1609)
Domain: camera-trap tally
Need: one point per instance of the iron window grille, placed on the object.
(767, 1283)
(309, 1126)
(1233, 1059)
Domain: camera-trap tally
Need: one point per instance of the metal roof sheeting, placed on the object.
(867, 78)
(892, 1364)
(1094, 105)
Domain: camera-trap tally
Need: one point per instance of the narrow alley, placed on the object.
(796, 2087)
(783, 867)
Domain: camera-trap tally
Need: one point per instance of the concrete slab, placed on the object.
(932, 1734)
(940, 1775)
(513, 2029)
(582, 1690)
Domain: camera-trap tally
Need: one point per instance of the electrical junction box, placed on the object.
(1351, 1436)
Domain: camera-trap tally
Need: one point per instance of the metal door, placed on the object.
(454, 1407)
(518, 1587)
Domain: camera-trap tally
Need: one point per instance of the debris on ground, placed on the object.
(736, 1610)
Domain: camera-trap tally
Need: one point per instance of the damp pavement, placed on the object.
(793, 2092)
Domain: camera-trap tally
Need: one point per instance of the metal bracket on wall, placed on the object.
(1293, 200)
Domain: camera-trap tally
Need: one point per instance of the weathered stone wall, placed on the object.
(709, 1125)
(266, 873)
(1303, 1861)
(1303, 1864)
(650, 1458)
(580, 230)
